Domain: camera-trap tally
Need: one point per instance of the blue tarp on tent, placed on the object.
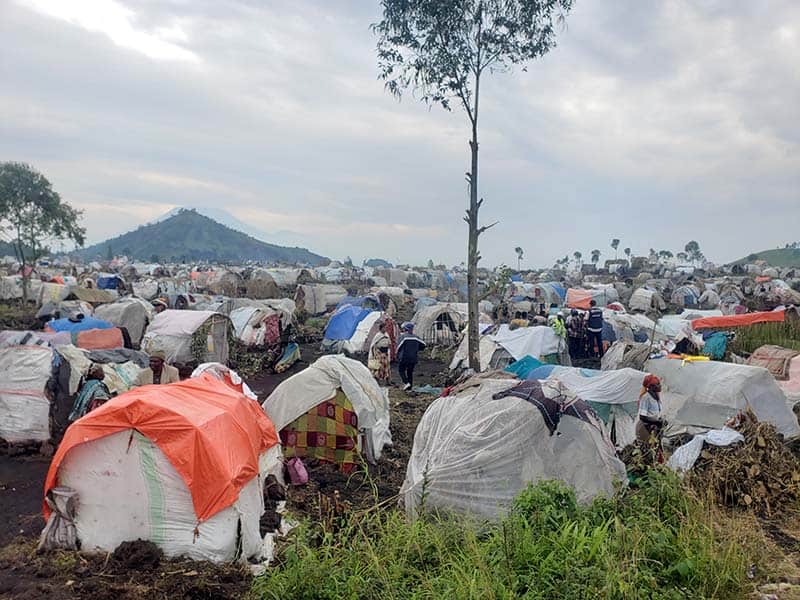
(542, 372)
(343, 323)
(516, 278)
(82, 325)
(108, 283)
(559, 289)
(523, 366)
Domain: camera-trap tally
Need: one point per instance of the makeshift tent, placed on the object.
(578, 298)
(110, 282)
(784, 365)
(226, 282)
(645, 300)
(315, 419)
(686, 296)
(709, 299)
(181, 465)
(344, 322)
(261, 285)
(24, 397)
(65, 309)
(473, 452)
(704, 395)
(131, 313)
(499, 349)
(730, 321)
(439, 324)
(256, 326)
(318, 299)
(189, 335)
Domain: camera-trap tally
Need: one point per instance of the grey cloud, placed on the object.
(649, 122)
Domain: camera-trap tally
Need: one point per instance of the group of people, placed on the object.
(93, 393)
(585, 332)
(407, 352)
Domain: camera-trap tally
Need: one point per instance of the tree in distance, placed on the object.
(441, 49)
(519, 252)
(32, 213)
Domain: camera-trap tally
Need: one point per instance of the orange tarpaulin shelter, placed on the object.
(211, 434)
(99, 339)
(579, 298)
(775, 316)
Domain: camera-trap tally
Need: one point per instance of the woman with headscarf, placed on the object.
(378, 361)
(92, 394)
(650, 424)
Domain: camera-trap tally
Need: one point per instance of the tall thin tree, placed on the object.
(442, 49)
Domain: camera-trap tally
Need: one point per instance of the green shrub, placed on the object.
(652, 542)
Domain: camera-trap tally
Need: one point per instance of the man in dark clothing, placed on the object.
(576, 330)
(408, 348)
(594, 328)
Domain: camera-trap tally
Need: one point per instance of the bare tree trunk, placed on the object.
(473, 339)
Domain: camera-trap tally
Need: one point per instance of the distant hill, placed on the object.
(780, 257)
(188, 236)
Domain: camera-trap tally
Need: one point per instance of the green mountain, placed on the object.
(190, 236)
(780, 257)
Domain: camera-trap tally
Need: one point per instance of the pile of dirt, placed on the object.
(135, 570)
(761, 473)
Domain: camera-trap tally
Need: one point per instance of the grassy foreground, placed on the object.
(653, 542)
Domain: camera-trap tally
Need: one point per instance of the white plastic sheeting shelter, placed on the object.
(172, 331)
(24, 404)
(319, 383)
(249, 325)
(319, 298)
(646, 300)
(537, 342)
(474, 454)
(439, 323)
(703, 395)
(358, 342)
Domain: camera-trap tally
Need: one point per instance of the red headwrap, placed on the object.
(650, 380)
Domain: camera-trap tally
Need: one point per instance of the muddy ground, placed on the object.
(136, 575)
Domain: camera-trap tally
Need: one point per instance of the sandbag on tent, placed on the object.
(473, 452)
(187, 336)
(131, 313)
(296, 403)
(181, 465)
(699, 396)
(24, 400)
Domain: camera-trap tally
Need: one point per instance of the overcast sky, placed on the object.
(655, 121)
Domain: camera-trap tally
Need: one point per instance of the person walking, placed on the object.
(408, 348)
(594, 327)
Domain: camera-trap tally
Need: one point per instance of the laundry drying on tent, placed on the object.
(476, 450)
(181, 465)
(333, 411)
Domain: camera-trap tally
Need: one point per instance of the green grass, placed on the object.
(779, 257)
(654, 542)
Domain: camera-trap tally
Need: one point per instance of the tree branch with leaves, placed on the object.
(33, 213)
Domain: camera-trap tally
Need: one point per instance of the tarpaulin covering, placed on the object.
(579, 298)
(522, 367)
(528, 341)
(342, 325)
(212, 435)
(776, 316)
(108, 283)
(99, 339)
(80, 325)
